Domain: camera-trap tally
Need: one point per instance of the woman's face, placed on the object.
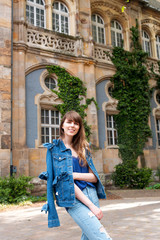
(70, 127)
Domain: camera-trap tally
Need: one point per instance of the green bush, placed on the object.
(14, 190)
(155, 186)
(158, 172)
(130, 176)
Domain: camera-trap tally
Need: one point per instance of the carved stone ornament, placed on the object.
(51, 42)
(157, 112)
(110, 106)
(96, 4)
(99, 53)
(151, 21)
(49, 99)
(83, 21)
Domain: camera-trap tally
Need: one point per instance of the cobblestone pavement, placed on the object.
(124, 219)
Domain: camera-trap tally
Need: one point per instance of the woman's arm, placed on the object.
(82, 197)
(88, 177)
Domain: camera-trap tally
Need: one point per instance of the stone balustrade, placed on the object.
(53, 42)
(69, 45)
(100, 53)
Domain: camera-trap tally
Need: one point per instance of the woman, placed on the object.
(74, 179)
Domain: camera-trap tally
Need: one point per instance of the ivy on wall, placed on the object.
(71, 91)
(131, 88)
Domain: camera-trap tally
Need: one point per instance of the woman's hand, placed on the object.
(96, 211)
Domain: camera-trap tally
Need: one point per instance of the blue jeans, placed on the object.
(91, 227)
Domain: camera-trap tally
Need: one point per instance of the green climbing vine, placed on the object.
(71, 91)
(131, 88)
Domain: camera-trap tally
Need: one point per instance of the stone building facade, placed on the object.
(73, 34)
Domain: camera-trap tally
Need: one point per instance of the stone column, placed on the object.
(153, 47)
(85, 26)
(48, 8)
(19, 54)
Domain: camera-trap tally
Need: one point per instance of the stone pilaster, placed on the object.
(19, 55)
(5, 87)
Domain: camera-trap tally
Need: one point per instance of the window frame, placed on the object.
(35, 7)
(116, 31)
(113, 130)
(98, 26)
(145, 41)
(49, 125)
(158, 132)
(158, 46)
(60, 13)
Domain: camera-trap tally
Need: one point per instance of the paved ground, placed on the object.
(125, 219)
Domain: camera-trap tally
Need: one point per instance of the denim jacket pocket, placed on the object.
(43, 175)
(61, 187)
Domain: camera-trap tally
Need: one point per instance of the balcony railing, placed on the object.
(64, 44)
(50, 41)
(100, 53)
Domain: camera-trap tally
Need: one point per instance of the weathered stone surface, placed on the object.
(6, 115)
(6, 142)
(4, 162)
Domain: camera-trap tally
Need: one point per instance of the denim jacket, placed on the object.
(60, 179)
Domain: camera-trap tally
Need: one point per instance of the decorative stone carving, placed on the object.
(99, 53)
(48, 99)
(152, 21)
(96, 4)
(110, 107)
(51, 42)
(149, 64)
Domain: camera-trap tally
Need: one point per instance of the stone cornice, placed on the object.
(22, 46)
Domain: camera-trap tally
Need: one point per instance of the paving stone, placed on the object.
(124, 219)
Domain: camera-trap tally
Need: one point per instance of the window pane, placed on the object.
(50, 121)
(113, 38)
(94, 34)
(111, 130)
(93, 17)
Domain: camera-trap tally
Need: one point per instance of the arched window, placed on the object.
(146, 43)
(35, 12)
(98, 30)
(60, 18)
(116, 34)
(158, 46)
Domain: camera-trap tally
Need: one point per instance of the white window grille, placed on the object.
(35, 12)
(116, 34)
(111, 130)
(60, 18)
(50, 83)
(158, 131)
(50, 121)
(146, 43)
(158, 46)
(98, 29)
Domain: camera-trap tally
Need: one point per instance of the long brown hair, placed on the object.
(79, 142)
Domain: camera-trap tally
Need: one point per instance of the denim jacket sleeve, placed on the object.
(53, 220)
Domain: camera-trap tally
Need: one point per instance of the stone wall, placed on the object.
(5, 86)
